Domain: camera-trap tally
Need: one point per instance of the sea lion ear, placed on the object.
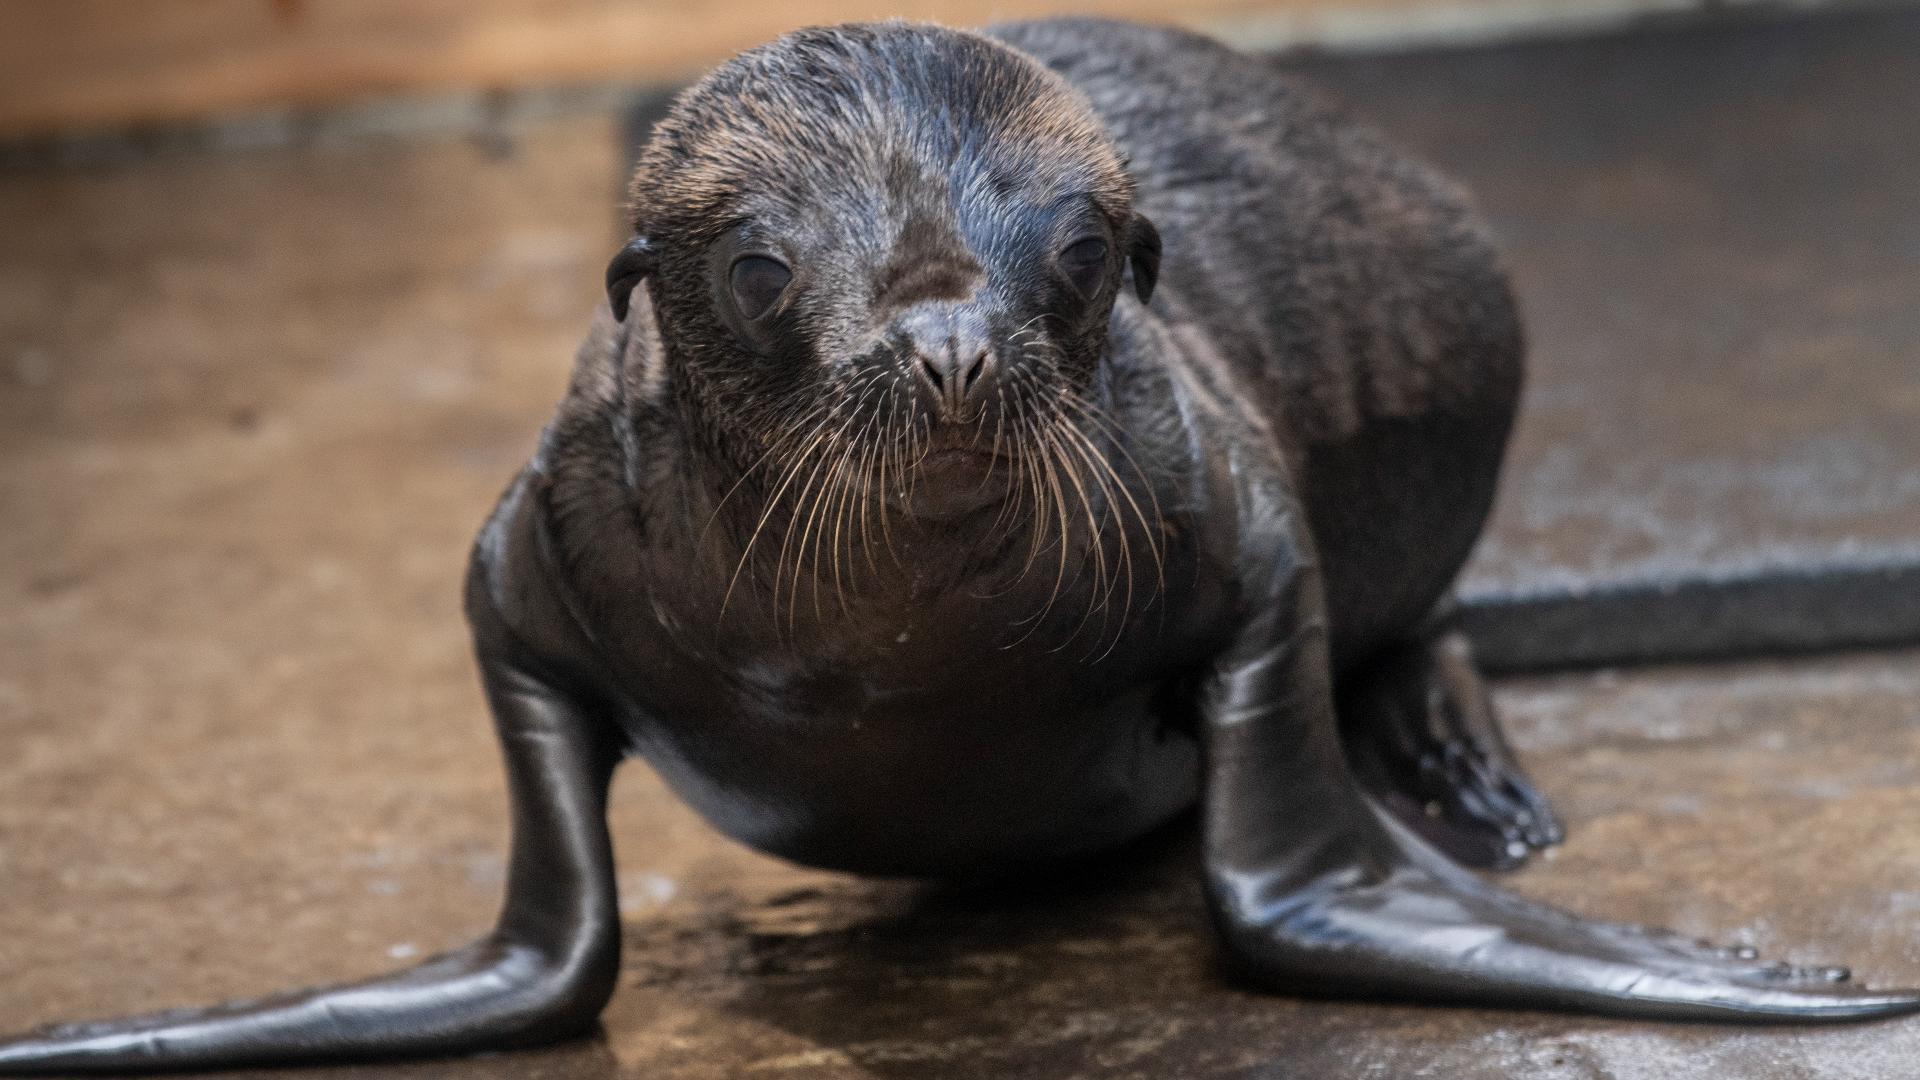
(627, 270)
(1143, 253)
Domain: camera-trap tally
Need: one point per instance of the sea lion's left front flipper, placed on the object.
(1316, 891)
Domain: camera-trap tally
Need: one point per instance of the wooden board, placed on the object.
(75, 65)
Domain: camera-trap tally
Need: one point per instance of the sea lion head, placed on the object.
(883, 258)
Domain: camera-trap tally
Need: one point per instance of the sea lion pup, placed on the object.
(912, 513)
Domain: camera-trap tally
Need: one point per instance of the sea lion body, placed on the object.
(992, 446)
(1323, 300)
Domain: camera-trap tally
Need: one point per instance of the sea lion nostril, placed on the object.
(931, 369)
(975, 370)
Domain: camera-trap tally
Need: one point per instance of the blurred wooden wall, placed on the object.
(76, 65)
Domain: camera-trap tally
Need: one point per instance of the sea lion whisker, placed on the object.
(845, 402)
(813, 492)
(1121, 537)
(993, 452)
(869, 460)
(1060, 508)
(1048, 417)
(854, 460)
(1117, 438)
(1032, 491)
(795, 462)
(808, 466)
(1034, 620)
(1032, 460)
(842, 508)
(1150, 525)
(1148, 528)
(830, 491)
(888, 444)
(789, 432)
(1023, 329)
(1088, 458)
(1095, 549)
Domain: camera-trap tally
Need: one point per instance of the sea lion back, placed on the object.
(1351, 291)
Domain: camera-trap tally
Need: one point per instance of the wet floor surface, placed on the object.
(252, 407)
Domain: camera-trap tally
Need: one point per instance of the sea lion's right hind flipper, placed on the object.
(544, 973)
(1317, 891)
(1422, 737)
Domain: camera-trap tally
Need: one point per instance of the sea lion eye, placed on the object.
(757, 282)
(1085, 262)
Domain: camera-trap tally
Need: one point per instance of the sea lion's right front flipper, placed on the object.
(544, 972)
(1317, 891)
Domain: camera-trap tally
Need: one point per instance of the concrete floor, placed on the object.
(253, 405)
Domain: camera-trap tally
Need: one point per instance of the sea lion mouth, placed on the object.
(955, 448)
(960, 464)
(951, 481)
(965, 437)
(955, 457)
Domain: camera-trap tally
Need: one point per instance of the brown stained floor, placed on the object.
(252, 407)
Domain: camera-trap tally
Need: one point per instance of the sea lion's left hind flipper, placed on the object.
(542, 974)
(1316, 891)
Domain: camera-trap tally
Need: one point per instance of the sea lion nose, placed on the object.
(954, 361)
(955, 377)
